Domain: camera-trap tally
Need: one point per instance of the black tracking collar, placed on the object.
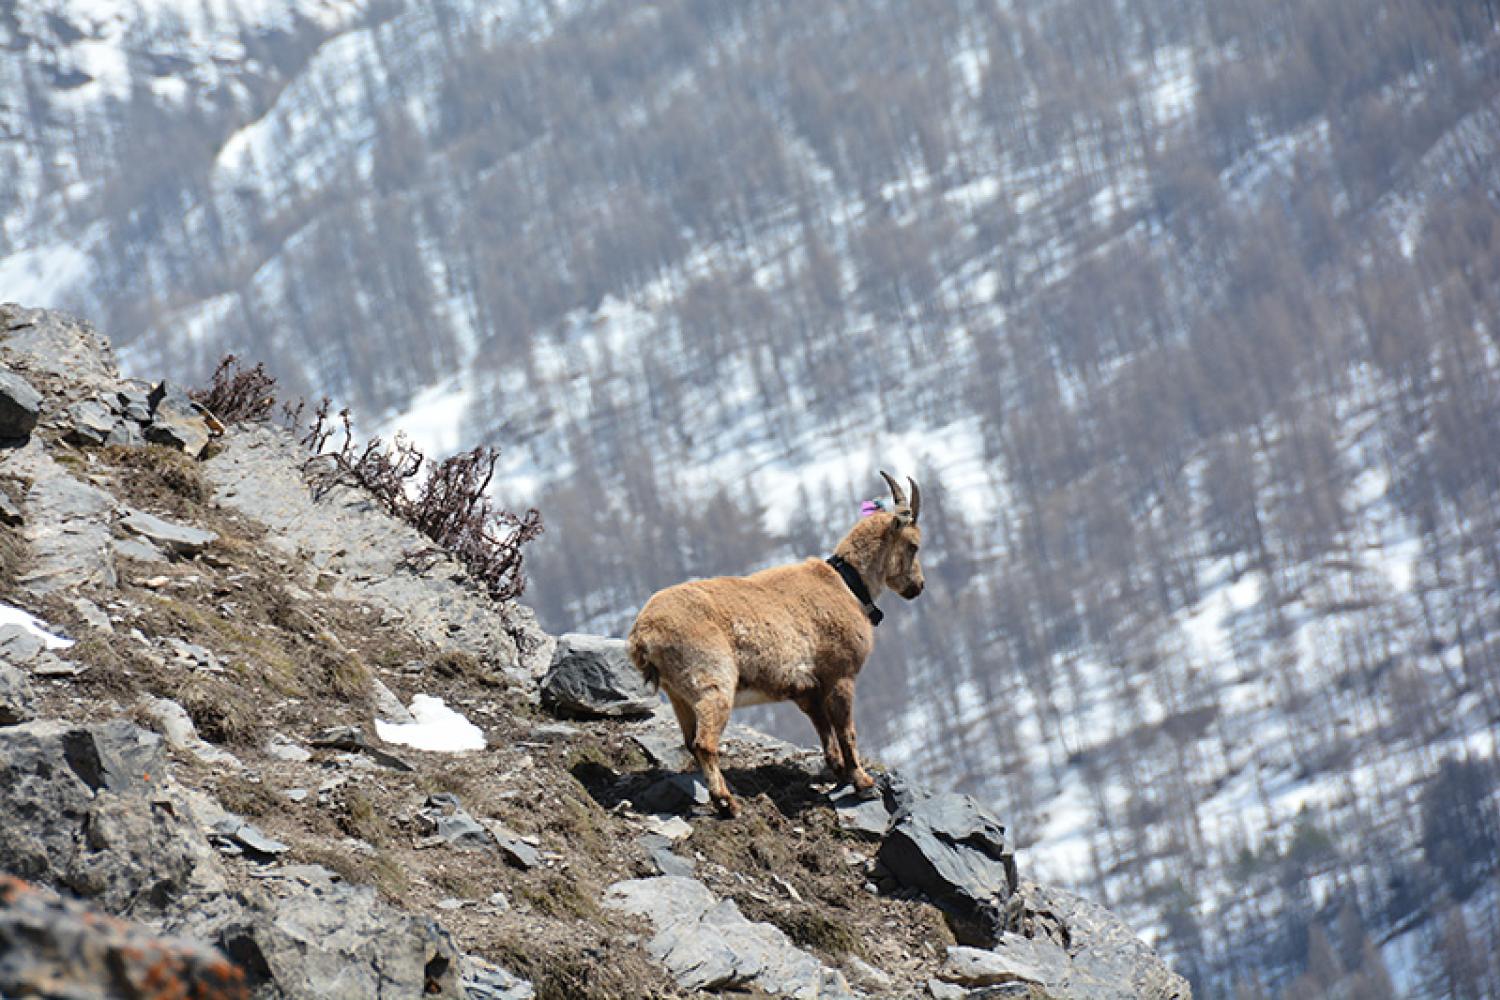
(857, 587)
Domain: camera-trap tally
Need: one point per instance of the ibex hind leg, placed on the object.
(686, 718)
(712, 714)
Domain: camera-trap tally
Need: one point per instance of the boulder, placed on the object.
(326, 940)
(708, 944)
(593, 676)
(98, 816)
(17, 700)
(953, 849)
(176, 421)
(55, 947)
(20, 406)
(1107, 961)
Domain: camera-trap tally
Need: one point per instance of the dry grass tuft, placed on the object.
(224, 712)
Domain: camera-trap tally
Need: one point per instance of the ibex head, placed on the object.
(903, 573)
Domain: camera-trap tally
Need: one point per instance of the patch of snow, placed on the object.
(434, 420)
(15, 616)
(41, 276)
(438, 728)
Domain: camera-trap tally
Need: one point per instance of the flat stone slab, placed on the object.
(857, 814)
(178, 539)
(1013, 959)
(249, 838)
(706, 943)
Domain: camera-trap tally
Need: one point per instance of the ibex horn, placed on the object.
(916, 500)
(896, 493)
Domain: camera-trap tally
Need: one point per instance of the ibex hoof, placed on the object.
(864, 786)
(727, 805)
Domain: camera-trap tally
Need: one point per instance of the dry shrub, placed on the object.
(448, 505)
(236, 394)
(12, 556)
(223, 712)
(156, 472)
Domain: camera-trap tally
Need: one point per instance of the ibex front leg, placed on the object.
(840, 706)
(812, 704)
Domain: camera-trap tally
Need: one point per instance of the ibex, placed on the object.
(795, 633)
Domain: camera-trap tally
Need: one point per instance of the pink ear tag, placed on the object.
(871, 507)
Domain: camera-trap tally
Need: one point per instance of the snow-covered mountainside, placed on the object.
(1183, 316)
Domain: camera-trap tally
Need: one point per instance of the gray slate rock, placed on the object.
(332, 941)
(676, 793)
(953, 849)
(516, 852)
(662, 745)
(134, 402)
(67, 526)
(175, 420)
(1107, 960)
(89, 422)
(56, 947)
(659, 850)
(248, 838)
(484, 980)
(1013, 959)
(11, 513)
(176, 727)
(17, 699)
(102, 819)
(350, 738)
(856, 814)
(49, 342)
(20, 406)
(19, 645)
(444, 818)
(134, 548)
(178, 539)
(708, 944)
(592, 676)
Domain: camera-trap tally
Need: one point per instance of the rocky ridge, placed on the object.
(202, 762)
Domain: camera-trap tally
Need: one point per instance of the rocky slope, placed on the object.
(199, 759)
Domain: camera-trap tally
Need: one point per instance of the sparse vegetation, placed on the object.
(236, 393)
(447, 504)
(158, 476)
(12, 557)
(223, 711)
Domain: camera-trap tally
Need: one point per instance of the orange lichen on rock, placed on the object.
(42, 933)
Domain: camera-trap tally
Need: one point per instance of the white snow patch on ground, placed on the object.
(15, 616)
(438, 728)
